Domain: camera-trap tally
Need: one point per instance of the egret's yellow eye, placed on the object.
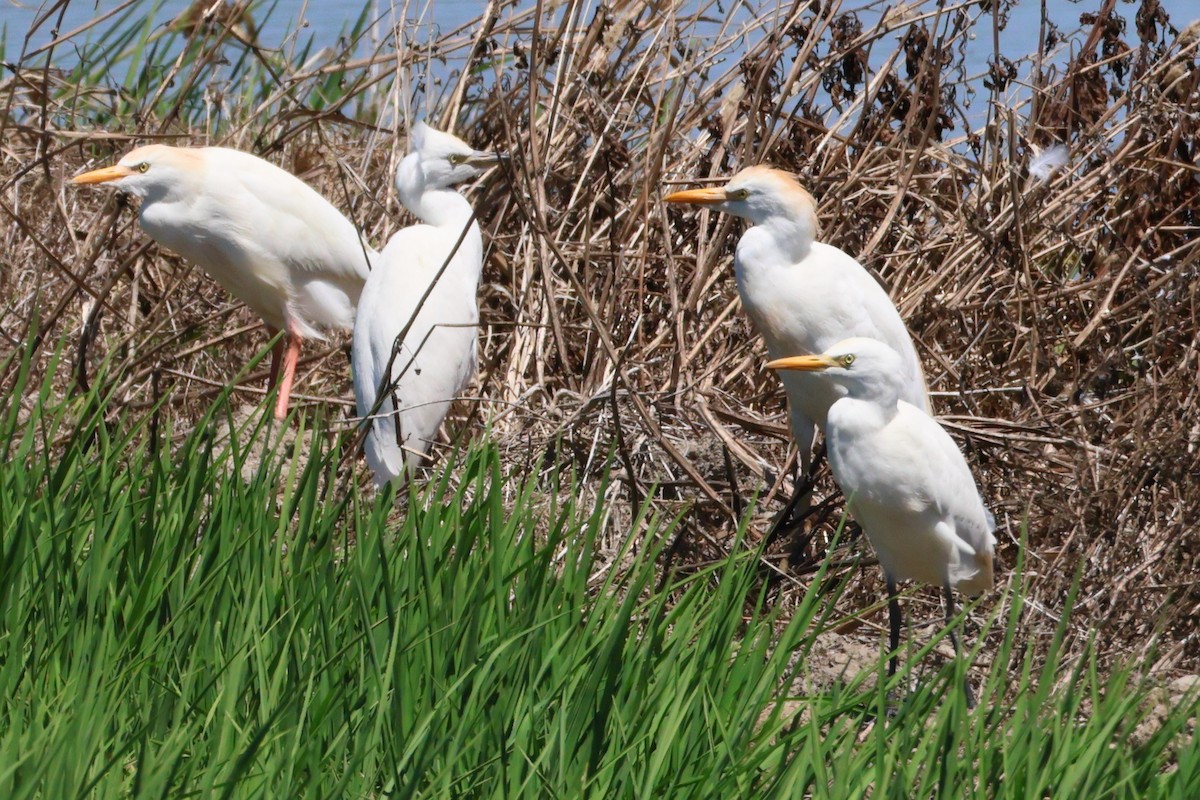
(741, 194)
(143, 167)
(457, 158)
(847, 359)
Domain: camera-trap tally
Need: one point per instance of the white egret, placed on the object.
(905, 480)
(804, 296)
(423, 289)
(265, 235)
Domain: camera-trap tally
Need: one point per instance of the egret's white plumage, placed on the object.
(262, 233)
(804, 296)
(1045, 163)
(437, 356)
(904, 478)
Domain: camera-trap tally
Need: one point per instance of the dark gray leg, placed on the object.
(894, 623)
(948, 596)
(800, 493)
(799, 504)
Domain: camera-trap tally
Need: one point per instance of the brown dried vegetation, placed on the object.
(1057, 318)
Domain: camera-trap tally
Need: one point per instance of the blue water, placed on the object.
(283, 22)
(289, 26)
(280, 23)
(327, 20)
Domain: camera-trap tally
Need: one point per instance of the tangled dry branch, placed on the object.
(1056, 316)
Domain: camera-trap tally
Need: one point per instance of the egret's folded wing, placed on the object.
(309, 233)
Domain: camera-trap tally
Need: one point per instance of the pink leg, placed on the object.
(290, 359)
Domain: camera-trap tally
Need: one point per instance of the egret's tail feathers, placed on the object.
(974, 576)
(384, 456)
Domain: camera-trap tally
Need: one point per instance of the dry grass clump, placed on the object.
(1056, 317)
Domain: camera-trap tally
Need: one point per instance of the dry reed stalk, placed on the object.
(1057, 319)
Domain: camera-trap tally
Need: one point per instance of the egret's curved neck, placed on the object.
(852, 415)
(881, 394)
(441, 207)
(791, 235)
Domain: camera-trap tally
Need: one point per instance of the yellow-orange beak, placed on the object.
(102, 175)
(804, 363)
(699, 197)
(483, 159)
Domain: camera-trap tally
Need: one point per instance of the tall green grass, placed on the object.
(170, 627)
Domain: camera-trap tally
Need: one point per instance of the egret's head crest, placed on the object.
(148, 170)
(867, 368)
(443, 159)
(759, 194)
